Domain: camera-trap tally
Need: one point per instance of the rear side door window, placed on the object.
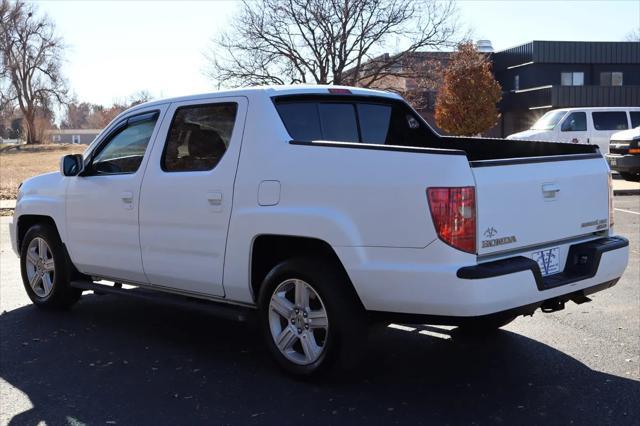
(610, 120)
(635, 119)
(198, 137)
(575, 122)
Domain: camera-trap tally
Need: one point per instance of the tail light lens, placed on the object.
(454, 215)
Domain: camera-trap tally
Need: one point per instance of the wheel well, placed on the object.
(27, 221)
(270, 250)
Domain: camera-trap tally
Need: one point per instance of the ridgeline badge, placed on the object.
(492, 242)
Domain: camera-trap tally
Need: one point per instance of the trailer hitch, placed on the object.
(552, 305)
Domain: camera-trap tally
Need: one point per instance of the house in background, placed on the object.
(543, 75)
(75, 136)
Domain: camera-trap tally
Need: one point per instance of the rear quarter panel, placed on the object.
(343, 196)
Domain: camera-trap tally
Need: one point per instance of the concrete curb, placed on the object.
(7, 204)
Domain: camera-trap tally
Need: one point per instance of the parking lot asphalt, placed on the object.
(113, 360)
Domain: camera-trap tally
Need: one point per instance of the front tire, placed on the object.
(45, 269)
(310, 317)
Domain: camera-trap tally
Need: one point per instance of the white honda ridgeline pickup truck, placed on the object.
(322, 209)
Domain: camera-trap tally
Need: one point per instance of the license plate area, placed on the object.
(548, 260)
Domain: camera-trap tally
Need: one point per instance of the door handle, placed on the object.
(550, 190)
(215, 200)
(127, 199)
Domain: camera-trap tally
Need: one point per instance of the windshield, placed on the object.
(549, 120)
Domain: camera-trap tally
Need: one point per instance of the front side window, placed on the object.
(125, 149)
(198, 138)
(572, 79)
(575, 122)
(611, 79)
(549, 120)
(610, 120)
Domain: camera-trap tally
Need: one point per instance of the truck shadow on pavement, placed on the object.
(118, 361)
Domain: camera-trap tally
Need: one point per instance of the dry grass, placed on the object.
(20, 163)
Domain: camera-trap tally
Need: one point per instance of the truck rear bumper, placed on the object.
(624, 163)
(400, 281)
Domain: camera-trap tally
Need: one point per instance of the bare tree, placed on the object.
(327, 41)
(31, 57)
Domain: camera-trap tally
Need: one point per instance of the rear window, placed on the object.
(349, 121)
(635, 119)
(610, 120)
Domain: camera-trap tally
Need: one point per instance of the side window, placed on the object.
(374, 122)
(125, 149)
(338, 122)
(610, 120)
(575, 122)
(198, 137)
(301, 120)
(370, 123)
(635, 119)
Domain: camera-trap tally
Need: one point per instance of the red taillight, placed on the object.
(454, 215)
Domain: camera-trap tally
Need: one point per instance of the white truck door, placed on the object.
(573, 128)
(187, 194)
(102, 203)
(605, 124)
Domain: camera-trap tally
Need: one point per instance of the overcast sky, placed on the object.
(117, 48)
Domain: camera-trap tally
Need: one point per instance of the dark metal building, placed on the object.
(543, 75)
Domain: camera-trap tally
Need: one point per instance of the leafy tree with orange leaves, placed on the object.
(467, 100)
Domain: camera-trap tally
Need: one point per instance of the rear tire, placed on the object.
(46, 270)
(310, 317)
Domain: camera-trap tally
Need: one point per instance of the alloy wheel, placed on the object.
(40, 267)
(298, 321)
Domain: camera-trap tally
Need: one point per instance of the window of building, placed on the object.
(125, 149)
(575, 122)
(572, 79)
(516, 82)
(75, 138)
(56, 138)
(198, 137)
(611, 79)
(635, 119)
(610, 120)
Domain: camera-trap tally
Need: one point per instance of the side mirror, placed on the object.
(71, 165)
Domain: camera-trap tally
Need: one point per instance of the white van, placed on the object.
(582, 125)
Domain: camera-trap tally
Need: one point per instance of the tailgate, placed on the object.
(528, 204)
